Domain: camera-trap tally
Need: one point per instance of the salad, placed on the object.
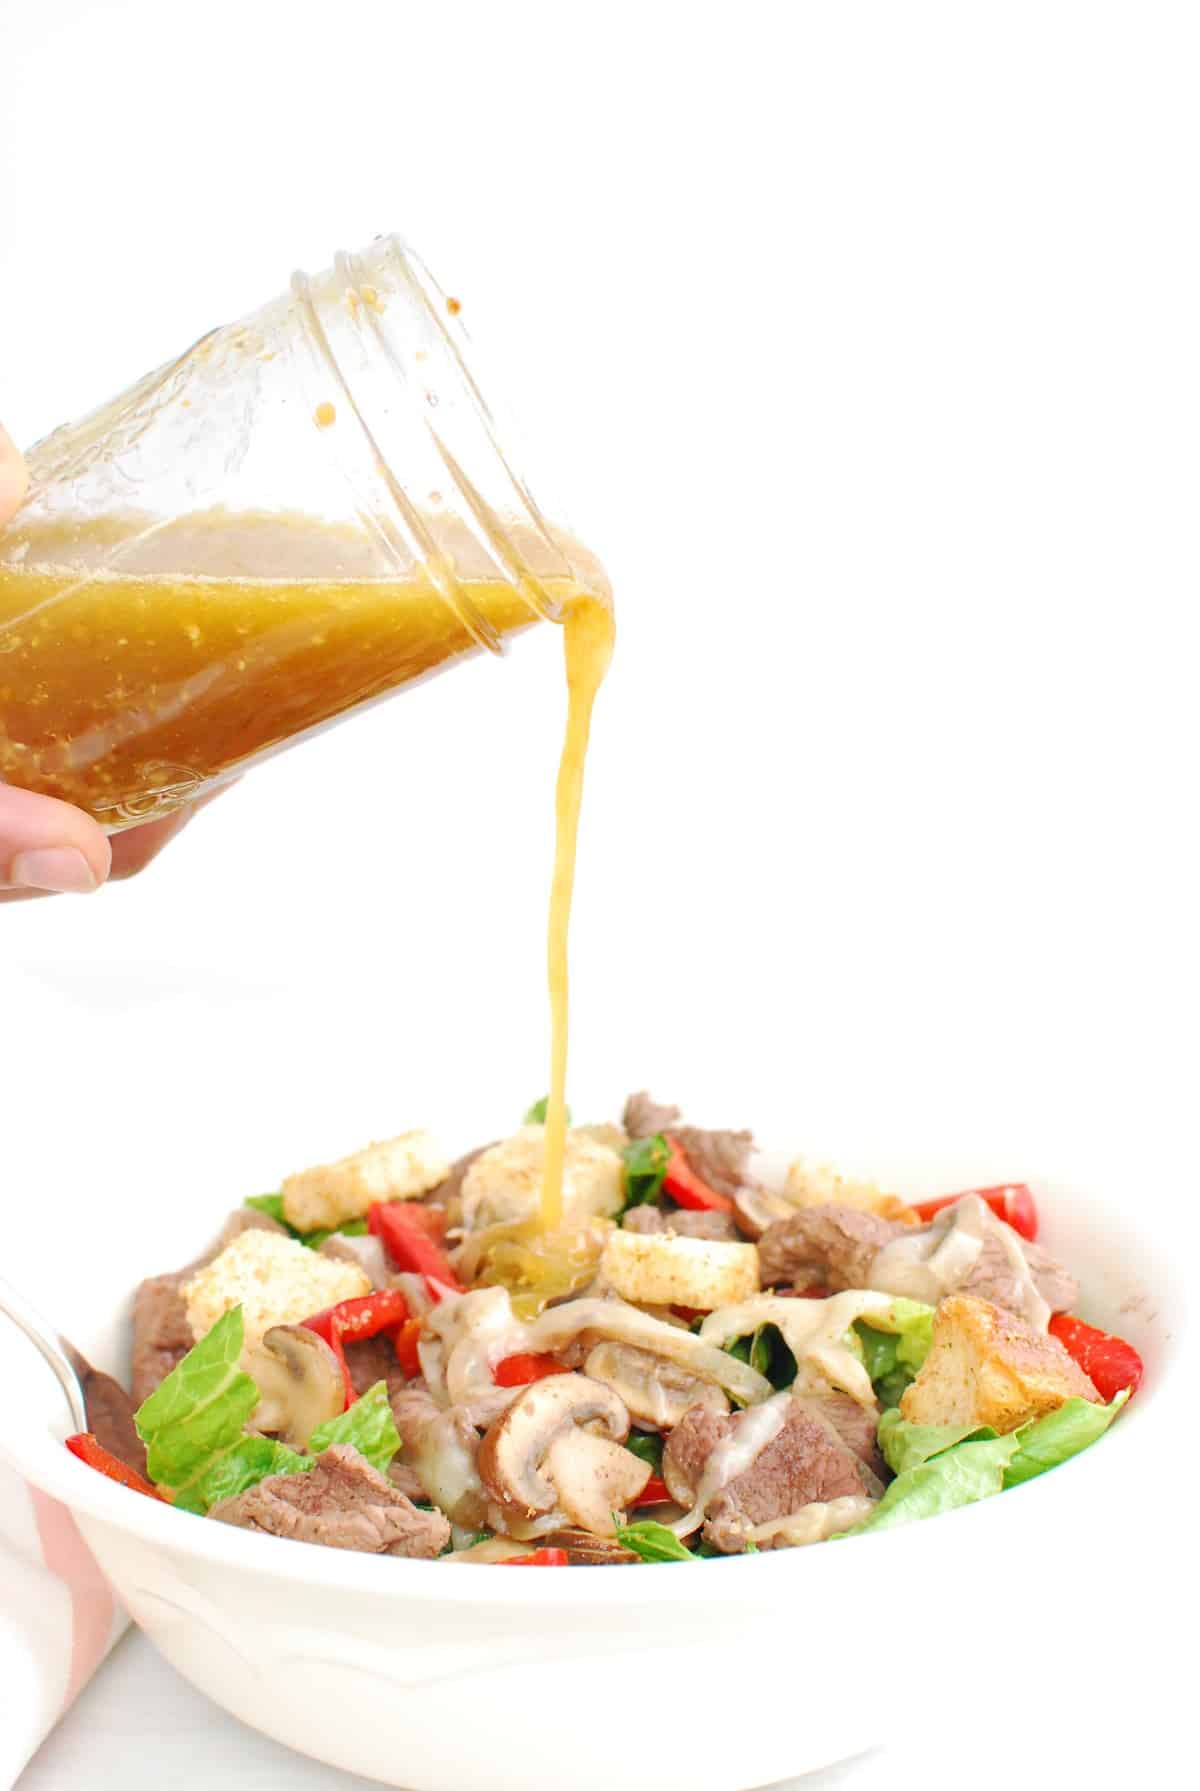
(391, 1355)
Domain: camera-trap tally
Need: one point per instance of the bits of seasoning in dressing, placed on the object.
(454, 306)
(324, 415)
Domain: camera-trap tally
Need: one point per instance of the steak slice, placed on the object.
(341, 1503)
(654, 1219)
(806, 1462)
(826, 1246)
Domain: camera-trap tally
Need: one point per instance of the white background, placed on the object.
(863, 343)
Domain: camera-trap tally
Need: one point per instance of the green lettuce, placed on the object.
(646, 1448)
(941, 1466)
(646, 1162)
(238, 1468)
(893, 1346)
(367, 1426)
(651, 1541)
(1051, 1440)
(200, 1409)
(767, 1353)
(536, 1115)
(1044, 1442)
(193, 1426)
(960, 1476)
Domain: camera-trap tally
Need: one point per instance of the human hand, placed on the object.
(45, 845)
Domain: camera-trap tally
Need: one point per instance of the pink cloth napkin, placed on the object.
(58, 1618)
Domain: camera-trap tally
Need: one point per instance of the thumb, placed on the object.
(48, 845)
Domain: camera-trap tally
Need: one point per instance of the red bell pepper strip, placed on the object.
(520, 1371)
(686, 1188)
(353, 1321)
(654, 1492)
(1111, 1364)
(97, 1456)
(406, 1233)
(406, 1338)
(1011, 1202)
(541, 1557)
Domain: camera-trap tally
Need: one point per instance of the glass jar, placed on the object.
(306, 511)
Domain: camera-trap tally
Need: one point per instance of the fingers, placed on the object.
(13, 477)
(133, 851)
(46, 845)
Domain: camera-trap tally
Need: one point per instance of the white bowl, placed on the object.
(723, 1676)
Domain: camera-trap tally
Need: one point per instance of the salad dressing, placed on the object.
(588, 635)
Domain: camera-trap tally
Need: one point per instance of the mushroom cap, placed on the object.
(653, 1390)
(512, 1453)
(300, 1383)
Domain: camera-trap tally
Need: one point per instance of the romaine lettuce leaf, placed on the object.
(367, 1426)
(236, 1469)
(200, 1408)
(1043, 1442)
(960, 1476)
(1055, 1438)
(536, 1115)
(651, 1541)
(894, 1345)
(646, 1162)
(906, 1445)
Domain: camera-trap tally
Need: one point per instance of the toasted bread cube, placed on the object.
(398, 1169)
(989, 1367)
(812, 1186)
(275, 1281)
(661, 1269)
(504, 1183)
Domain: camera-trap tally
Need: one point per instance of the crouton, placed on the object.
(810, 1186)
(275, 1281)
(504, 1183)
(663, 1269)
(398, 1169)
(989, 1367)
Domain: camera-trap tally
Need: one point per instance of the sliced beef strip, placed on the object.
(245, 1218)
(857, 1425)
(374, 1359)
(835, 1247)
(654, 1219)
(828, 1246)
(342, 1503)
(405, 1479)
(992, 1278)
(437, 1459)
(643, 1118)
(805, 1463)
(721, 1159)
(161, 1333)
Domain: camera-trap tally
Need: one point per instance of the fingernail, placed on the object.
(63, 869)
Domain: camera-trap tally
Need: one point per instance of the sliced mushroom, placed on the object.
(653, 1391)
(585, 1550)
(300, 1382)
(536, 1456)
(593, 1478)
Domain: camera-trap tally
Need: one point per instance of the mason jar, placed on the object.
(308, 510)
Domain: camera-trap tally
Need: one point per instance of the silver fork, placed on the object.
(61, 1355)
